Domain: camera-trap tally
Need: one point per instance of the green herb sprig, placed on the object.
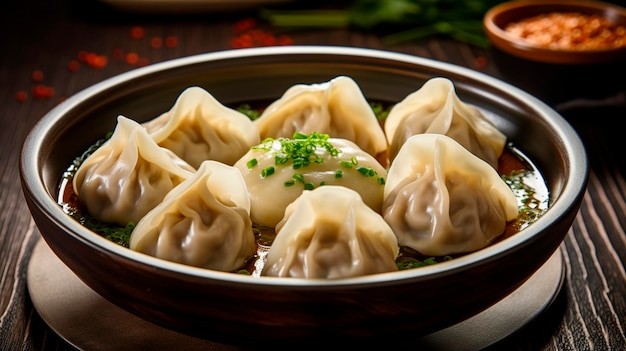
(401, 20)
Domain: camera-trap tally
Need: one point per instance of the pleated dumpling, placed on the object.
(128, 175)
(337, 108)
(203, 222)
(440, 199)
(198, 128)
(436, 108)
(330, 233)
(277, 171)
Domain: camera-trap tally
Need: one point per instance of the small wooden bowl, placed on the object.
(498, 17)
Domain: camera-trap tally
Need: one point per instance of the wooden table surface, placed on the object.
(40, 39)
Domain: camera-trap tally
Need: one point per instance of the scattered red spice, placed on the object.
(241, 41)
(37, 75)
(41, 91)
(73, 66)
(285, 40)
(480, 62)
(92, 59)
(132, 58)
(21, 96)
(97, 61)
(137, 32)
(171, 41)
(247, 35)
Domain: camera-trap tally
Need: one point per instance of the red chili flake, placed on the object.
(73, 66)
(90, 57)
(137, 32)
(132, 58)
(171, 41)
(41, 91)
(21, 96)
(244, 25)
(480, 62)
(117, 53)
(259, 37)
(242, 41)
(37, 75)
(285, 40)
(156, 42)
(96, 61)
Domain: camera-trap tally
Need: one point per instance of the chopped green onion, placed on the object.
(346, 164)
(268, 171)
(253, 162)
(281, 159)
(363, 170)
(299, 135)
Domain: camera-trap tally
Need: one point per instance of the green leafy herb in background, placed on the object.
(399, 20)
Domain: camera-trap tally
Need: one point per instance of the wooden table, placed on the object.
(42, 39)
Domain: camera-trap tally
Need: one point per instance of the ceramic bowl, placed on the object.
(556, 75)
(238, 309)
(500, 16)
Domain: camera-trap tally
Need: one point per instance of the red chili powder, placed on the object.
(137, 32)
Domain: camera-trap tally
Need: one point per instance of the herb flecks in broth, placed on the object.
(531, 204)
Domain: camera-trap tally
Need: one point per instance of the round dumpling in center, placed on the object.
(277, 171)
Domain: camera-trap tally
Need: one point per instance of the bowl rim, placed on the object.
(32, 180)
(519, 47)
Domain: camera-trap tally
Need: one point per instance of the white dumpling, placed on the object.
(128, 175)
(337, 108)
(440, 199)
(436, 108)
(198, 128)
(330, 233)
(203, 222)
(271, 192)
